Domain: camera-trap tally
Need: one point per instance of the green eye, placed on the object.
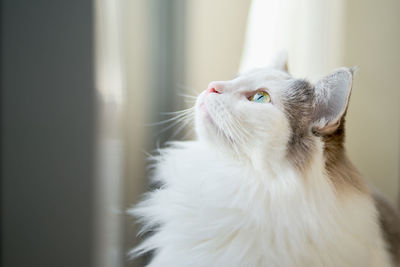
(260, 97)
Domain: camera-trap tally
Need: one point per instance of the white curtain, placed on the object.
(310, 31)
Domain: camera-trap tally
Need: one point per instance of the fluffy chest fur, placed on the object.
(215, 211)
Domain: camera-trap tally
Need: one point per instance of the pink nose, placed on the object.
(214, 88)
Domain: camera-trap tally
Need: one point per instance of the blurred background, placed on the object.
(81, 81)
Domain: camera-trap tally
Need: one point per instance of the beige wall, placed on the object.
(214, 42)
(373, 43)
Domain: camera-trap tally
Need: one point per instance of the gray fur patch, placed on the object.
(299, 109)
(298, 106)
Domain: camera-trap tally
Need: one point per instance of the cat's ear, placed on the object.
(332, 95)
(280, 61)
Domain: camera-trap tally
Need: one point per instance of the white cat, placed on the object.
(266, 183)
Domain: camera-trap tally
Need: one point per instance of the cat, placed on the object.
(266, 182)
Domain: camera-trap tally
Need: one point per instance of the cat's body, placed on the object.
(278, 193)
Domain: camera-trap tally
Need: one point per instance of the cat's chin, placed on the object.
(203, 112)
(207, 127)
(208, 131)
(207, 121)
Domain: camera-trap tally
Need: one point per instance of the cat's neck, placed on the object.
(274, 163)
(338, 166)
(326, 158)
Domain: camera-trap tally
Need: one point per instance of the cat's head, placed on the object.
(269, 114)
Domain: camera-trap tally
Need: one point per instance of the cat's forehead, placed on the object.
(266, 73)
(261, 75)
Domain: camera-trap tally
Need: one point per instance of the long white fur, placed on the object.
(231, 199)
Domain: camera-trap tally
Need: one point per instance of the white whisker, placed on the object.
(178, 115)
(174, 123)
